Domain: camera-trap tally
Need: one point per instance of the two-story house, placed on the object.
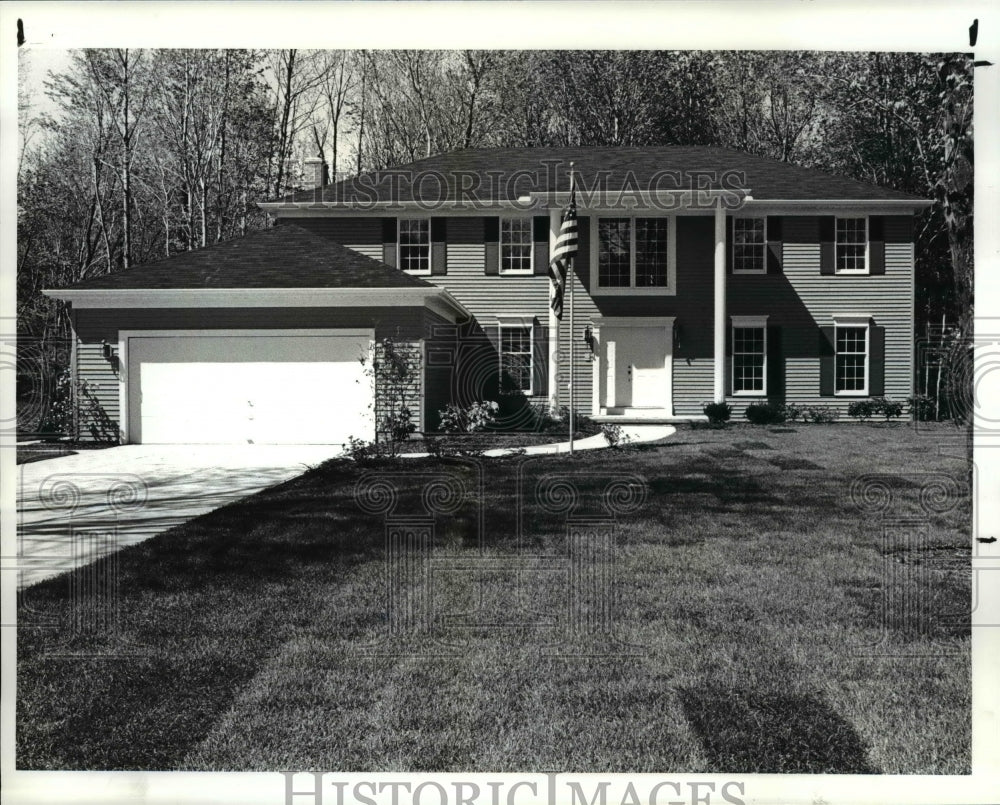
(703, 274)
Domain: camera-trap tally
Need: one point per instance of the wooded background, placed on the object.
(153, 152)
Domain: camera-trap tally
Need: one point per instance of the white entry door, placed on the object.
(637, 361)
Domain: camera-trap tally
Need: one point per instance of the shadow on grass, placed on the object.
(754, 732)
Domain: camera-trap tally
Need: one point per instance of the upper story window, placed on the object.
(851, 361)
(515, 358)
(852, 246)
(515, 245)
(415, 245)
(749, 355)
(749, 244)
(633, 254)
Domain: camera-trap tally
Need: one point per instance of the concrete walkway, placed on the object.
(633, 434)
(76, 508)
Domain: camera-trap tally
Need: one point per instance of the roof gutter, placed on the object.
(436, 299)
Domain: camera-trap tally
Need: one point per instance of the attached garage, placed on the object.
(263, 340)
(240, 387)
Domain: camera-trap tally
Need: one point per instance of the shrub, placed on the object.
(398, 426)
(890, 409)
(922, 407)
(766, 413)
(819, 414)
(558, 423)
(612, 434)
(862, 409)
(792, 412)
(359, 450)
(866, 409)
(473, 418)
(718, 413)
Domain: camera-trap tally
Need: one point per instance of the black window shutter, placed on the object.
(439, 246)
(491, 238)
(729, 245)
(540, 236)
(728, 384)
(827, 357)
(775, 364)
(389, 241)
(876, 244)
(774, 245)
(876, 358)
(540, 362)
(827, 256)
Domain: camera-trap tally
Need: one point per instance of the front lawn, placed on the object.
(747, 632)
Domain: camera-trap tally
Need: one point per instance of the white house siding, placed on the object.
(887, 298)
(800, 300)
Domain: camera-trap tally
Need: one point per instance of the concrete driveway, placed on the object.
(73, 509)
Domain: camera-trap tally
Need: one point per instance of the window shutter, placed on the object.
(827, 256)
(876, 361)
(876, 244)
(581, 263)
(774, 254)
(540, 361)
(728, 385)
(439, 246)
(491, 238)
(775, 364)
(389, 241)
(540, 236)
(729, 245)
(827, 353)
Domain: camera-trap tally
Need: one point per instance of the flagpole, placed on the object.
(572, 336)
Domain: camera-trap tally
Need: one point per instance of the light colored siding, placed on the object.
(364, 235)
(104, 383)
(693, 385)
(814, 301)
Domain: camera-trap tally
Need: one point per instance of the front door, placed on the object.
(636, 360)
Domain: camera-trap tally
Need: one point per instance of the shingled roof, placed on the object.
(284, 256)
(505, 174)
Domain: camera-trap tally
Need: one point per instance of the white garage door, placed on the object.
(234, 389)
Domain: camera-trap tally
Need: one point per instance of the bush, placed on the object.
(473, 418)
(398, 426)
(819, 414)
(922, 407)
(792, 411)
(866, 409)
(766, 413)
(890, 409)
(862, 409)
(718, 413)
(359, 450)
(613, 434)
(558, 423)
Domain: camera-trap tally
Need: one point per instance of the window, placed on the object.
(852, 246)
(633, 253)
(515, 358)
(851, 362)
(749, 244)
(515, 245)
(415, 245)
(749, 355)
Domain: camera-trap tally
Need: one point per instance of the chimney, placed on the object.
(315, 173)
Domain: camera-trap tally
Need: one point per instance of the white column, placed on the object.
(555, 221)
(719, 385)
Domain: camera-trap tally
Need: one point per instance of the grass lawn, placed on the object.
(747, 632)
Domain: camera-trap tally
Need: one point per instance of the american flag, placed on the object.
(565, 250)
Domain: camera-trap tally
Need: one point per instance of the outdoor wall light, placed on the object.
(588, 337)
(677, 336)
(106, 350)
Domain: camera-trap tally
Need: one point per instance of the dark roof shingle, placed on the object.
(492, 174)
(283, 256)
